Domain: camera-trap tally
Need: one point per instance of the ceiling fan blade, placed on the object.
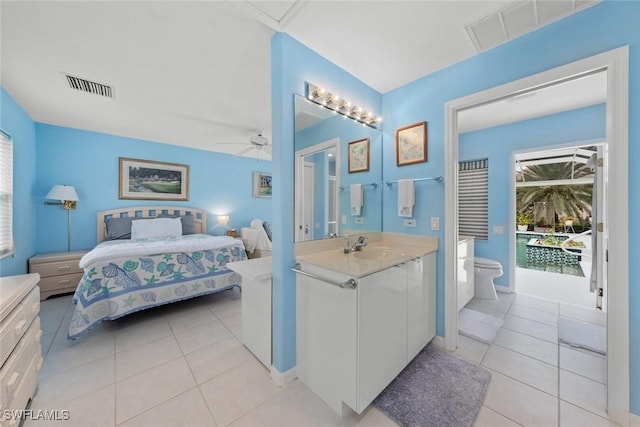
(246, 150)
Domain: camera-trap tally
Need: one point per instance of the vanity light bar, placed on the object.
(342, 106)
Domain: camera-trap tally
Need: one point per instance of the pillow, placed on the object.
(158, 228)
(118, 228)
(188, 223)
(267, 229)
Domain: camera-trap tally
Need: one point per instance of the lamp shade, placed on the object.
(223, 219)
(62, 192)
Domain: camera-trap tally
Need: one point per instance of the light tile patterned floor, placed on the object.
(184, 364)
(535, 380)
(181, 364)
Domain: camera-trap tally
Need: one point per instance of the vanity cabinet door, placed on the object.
(421, 303)
(382, 327)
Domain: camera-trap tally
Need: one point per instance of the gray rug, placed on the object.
(436, 389)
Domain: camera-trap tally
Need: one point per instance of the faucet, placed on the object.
(359, 244)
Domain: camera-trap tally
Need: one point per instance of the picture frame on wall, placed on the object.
(358, 155)
(411, 144)
(262, 184)
(152, 180)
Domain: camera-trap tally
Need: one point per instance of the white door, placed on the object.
(305, 228)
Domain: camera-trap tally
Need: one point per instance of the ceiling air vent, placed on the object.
(518, 18)
(88, 86)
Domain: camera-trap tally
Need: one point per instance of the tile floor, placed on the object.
(535, 380)
(184, 364)
(181, 364)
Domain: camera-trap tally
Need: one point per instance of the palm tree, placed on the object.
(570, 200)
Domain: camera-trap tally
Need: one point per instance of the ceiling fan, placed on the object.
(256, 142)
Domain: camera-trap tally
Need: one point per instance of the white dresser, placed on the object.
(20, 354)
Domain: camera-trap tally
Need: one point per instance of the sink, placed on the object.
(377, 252)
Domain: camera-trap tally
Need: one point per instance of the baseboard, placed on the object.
(438, 341)
(634, 419)
(283, 378)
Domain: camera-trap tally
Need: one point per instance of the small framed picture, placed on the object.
(261, 184)
(151, 180)
(358, 154)
(411, 144)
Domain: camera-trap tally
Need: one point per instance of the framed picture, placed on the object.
(149, 180)
(358, 154)
(261, 184)
(411, 144)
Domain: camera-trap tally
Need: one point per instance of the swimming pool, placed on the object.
(521, 258)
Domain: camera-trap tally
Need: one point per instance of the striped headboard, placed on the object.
(199, 216)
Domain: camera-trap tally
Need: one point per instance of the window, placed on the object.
(473, 198)
(6, 195)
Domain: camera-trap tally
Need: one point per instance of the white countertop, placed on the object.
(255, 269)
(354, 265)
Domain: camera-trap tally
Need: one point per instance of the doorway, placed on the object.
(615, 63)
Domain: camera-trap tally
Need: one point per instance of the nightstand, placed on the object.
(59, 272)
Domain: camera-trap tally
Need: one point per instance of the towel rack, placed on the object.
(350, 284)
(432, 178)
(373, 184)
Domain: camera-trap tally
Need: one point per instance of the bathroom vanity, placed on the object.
(363, 316)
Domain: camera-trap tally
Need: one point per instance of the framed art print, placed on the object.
(358, 155)
(150, 180)
(411, 144)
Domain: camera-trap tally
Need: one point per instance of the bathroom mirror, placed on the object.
(325, 172)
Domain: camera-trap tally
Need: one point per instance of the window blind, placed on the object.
(6, 195)
(473, 198)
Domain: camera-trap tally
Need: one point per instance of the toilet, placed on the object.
(485, 270)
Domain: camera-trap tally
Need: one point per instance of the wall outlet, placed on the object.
(435, 223)
(498, 229)
(359, 220)
(409, 222)
(344, 219)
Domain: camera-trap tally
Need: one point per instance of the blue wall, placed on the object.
(498, 143)
(605, 26)
(291, 65)
(17, 123)
(219, 183)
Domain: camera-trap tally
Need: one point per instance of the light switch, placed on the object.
(317, 226)
(498, 229)
(435, 223)
(344, 219)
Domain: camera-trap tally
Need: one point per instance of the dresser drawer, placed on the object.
(57, 268)
(60, 283)
(12, 328)
(15, 369)
(27, 387)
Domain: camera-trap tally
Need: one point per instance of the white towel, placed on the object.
(406, 197)
(357, 198)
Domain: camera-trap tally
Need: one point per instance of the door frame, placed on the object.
(299, 176)
(616, 63)
(512, 196)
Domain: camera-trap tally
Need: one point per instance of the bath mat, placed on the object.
(480, 326)
(435, 389)
(577, 333)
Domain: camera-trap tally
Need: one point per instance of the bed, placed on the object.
(136, 268)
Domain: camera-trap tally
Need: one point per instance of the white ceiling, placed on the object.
(198, 73)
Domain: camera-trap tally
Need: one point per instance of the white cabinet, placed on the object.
(382, 336)
(465, 271)
(351, 343)
(20, 355)
(256, 306)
